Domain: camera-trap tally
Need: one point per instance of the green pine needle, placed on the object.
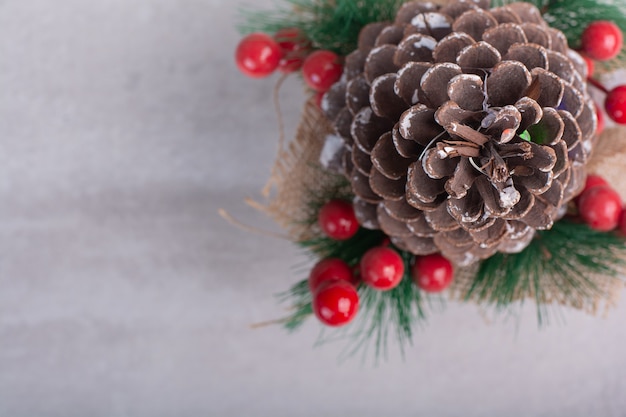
(335, 24)
(382, 314)
(329, 24)
(350, 250)
(558, 264)
(385, 314)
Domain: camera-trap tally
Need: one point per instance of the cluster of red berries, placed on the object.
(600, 206)
(259, 55)
(334, 283)
(602, 41)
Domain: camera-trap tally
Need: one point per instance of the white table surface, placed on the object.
(124, 126)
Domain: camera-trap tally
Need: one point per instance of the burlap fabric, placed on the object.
(296, 175)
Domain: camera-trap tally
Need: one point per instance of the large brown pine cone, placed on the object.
(436, 109)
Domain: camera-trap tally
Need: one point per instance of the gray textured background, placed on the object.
(123, 128)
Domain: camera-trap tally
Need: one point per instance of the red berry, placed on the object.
(258, 55)
(594, 181)
(600, 116)
(356, 274)
(295, 48)
(321, 70)
(591, 66)
(600, 207)
(591, 181)
(337, 220)
(382, 268)
(602, 40)
(336, 303)
(432, 273)
(330, 269)
(621, 226)
(615, 104)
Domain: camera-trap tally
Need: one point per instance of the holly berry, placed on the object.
(321, 70)
(602, 40)
(258, 55)
(594, 181)
(600, 207)
(336, 303)
(615, 104)
(330, 269)
(600, 116)
(622, 222)
(432, 273)
(382, 268)
(591, 66)
(294, 46)
(356, 274)
(337, 220)
(591, 181)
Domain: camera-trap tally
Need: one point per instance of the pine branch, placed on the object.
(329, 24)
(559, 264)
(382, 314)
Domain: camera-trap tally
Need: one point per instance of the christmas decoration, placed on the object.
(336, 303)
(594, 181)
(294, 48)
(600, 207)
(382, 268)
(433, 273)
(331, 269)
(321, 69)
(337, 220)
(258, 55)
(602, 40)
(615, 104)
(450, 148)
(591, 66)
(622, 222)
(434, 151)
(600, 116)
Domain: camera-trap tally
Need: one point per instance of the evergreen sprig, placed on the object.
(560, 264)
(329, 24)
(381, 314)
(335, 24)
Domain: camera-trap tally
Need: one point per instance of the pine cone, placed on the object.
(466, 128)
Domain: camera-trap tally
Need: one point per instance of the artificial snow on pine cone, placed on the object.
(466, 129)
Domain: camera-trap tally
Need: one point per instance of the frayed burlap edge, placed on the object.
(297, 174)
